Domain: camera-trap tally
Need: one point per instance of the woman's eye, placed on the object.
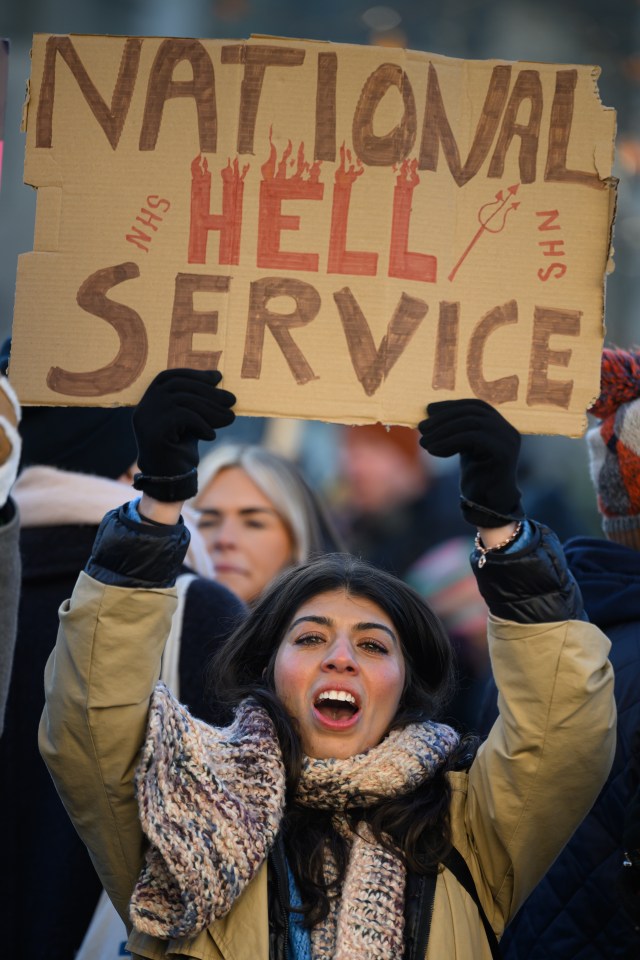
(207, 524)
(255, 524)
(308, 639)
(374, 646)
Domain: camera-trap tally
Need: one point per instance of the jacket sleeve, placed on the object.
(98, 682)
(532, 584)
(550, 750)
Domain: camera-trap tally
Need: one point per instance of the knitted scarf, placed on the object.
(211, 801)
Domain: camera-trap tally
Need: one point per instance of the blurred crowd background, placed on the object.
(561, 31)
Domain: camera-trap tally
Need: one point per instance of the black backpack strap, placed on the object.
(455, 862)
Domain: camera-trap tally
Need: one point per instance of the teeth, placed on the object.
(337, 695)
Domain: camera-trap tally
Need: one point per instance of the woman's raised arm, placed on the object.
(106, 661)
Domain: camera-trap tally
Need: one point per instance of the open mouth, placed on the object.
(336, 706)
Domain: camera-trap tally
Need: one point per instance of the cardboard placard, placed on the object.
(346, 232)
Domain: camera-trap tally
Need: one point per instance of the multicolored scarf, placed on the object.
(211, 801)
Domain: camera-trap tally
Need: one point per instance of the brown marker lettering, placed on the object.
(547, 323)
(559, 133)
(256, 58)
(393, 146)
(436, 128)
(527, 87)
(132, 355)
(372, 366)
(446, 358)
(307, 306)
(185, 321)
(325, 145)
(162, 87)
(493, 391)
(112, 118)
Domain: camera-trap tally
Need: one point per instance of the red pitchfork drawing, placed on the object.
(488, 221)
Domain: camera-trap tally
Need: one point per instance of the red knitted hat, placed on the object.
(614, 446)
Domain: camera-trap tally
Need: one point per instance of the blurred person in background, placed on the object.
(76, 463)
(10, 444)
(444, 578)
(576, 911)
(390, 504)
(258, 516)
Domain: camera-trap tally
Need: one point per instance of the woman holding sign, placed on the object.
(335, 817)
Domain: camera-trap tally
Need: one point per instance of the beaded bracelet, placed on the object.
(483, 551)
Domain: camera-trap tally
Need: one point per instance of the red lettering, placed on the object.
(340, 260)
(138, 238)
(275, 188)
(149, 218)
(551, 217)
(154, 201)
(555, 270)
(402, 262)
(554, 248)
(202, 221)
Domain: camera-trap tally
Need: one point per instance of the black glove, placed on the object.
(179, 407)
(488, 446)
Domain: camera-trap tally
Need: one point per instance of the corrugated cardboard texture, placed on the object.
(346, 232)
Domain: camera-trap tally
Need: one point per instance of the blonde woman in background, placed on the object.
(258, 516)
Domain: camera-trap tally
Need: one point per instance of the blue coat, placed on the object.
(575, 912)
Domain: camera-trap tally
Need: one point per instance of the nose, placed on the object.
(218, 535)
(339, 658)
(224, 536)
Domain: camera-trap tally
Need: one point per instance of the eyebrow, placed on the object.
(211, 512)
(328, 622)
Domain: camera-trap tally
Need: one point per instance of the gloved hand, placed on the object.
(179, 407)
(488, 446)
(10, 439)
